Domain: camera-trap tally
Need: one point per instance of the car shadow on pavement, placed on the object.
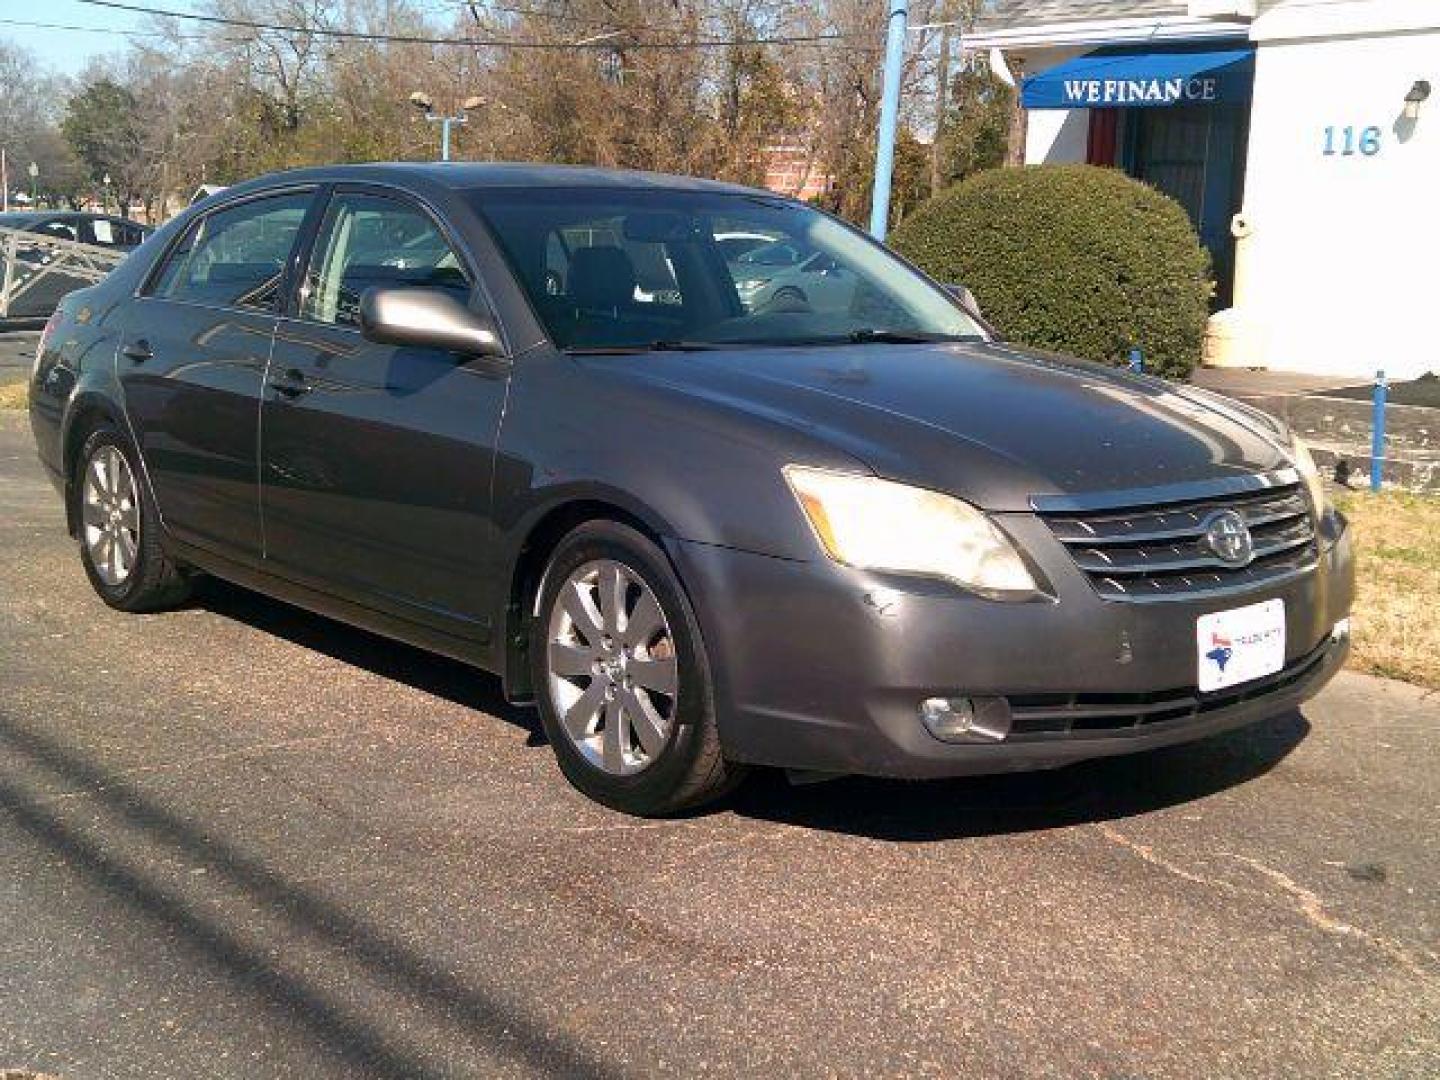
(95, 838)
(1100, 790)
(429, 672)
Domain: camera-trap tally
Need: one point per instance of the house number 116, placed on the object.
(1344, 141)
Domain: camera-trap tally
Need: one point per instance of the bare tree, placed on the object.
(708, 87)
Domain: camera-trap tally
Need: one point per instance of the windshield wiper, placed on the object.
(659, 345)
(862, 336)
(666, 345)
(865, 335)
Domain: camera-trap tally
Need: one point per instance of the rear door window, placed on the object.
(235, 257)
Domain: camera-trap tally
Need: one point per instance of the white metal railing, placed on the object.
(29, 258)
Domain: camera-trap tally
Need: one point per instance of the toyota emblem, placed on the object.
(1227, 535)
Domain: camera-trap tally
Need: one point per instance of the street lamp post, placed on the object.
(34, 171)
(890, 108)
(426, 105)
(889, 119)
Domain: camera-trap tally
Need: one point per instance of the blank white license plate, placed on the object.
(1241, 644)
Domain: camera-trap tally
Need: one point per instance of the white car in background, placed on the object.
(732, 245)
(790, 276)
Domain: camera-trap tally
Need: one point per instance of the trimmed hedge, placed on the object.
(1073, 258)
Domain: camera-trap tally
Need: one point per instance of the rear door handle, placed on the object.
(293, 385)
(139, 351)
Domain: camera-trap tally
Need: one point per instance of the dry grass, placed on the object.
(13, 395)
(1396, 623)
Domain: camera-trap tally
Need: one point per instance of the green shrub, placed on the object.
(1073, 258)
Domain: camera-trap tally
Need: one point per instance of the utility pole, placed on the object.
(889, 119)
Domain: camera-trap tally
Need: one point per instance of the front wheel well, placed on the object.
(529, 572)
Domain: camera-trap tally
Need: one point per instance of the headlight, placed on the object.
(1310, 473)
(874, 524)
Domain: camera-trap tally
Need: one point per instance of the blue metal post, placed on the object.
(889, 119)
(1377, 434)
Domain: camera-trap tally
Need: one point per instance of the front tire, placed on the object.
(622, 678)
(119, 529)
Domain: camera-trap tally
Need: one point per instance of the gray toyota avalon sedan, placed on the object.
(535, 419)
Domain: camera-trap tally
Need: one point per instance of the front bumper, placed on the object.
(821, 667)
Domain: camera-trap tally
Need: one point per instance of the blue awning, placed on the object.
(1115, 78)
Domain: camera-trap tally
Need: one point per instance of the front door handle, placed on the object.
(138, 351)
(293, 386)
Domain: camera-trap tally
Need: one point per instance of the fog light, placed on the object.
(963, 719)
(1341, 630)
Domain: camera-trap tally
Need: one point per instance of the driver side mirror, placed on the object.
(427, 319)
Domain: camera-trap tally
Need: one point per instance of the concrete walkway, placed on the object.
(1339, 428)
(1248, 383)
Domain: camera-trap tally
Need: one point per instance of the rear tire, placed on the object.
(623, 684)
(119, 528)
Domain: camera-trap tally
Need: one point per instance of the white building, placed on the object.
(1301, 135)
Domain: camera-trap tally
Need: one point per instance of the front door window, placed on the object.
(372, 240)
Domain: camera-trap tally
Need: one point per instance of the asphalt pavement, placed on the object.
(17, 354)
(239, 840)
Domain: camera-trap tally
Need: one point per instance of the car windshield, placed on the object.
(640, 269)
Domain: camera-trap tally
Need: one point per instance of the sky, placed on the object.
(66, 51)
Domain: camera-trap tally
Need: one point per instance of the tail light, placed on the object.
(50, 325)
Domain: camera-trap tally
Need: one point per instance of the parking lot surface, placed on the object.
(17, 353)
(238, 840)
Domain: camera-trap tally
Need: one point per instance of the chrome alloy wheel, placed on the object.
(110, 515)
(612, 667)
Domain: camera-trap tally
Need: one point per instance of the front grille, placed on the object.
(1052, 716)
(1158, 552)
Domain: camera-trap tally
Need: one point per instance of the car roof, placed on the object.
(468, 175)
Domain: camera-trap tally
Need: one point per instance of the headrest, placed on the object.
(601, 277)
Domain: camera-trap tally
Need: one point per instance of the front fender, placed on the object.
(689, 468)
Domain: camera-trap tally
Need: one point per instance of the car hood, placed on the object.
(991, 423)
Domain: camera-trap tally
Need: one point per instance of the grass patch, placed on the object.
(1396, 623)
(13, 395)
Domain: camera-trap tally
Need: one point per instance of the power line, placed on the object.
(484, 7)
(471, 42)
(122, 31)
